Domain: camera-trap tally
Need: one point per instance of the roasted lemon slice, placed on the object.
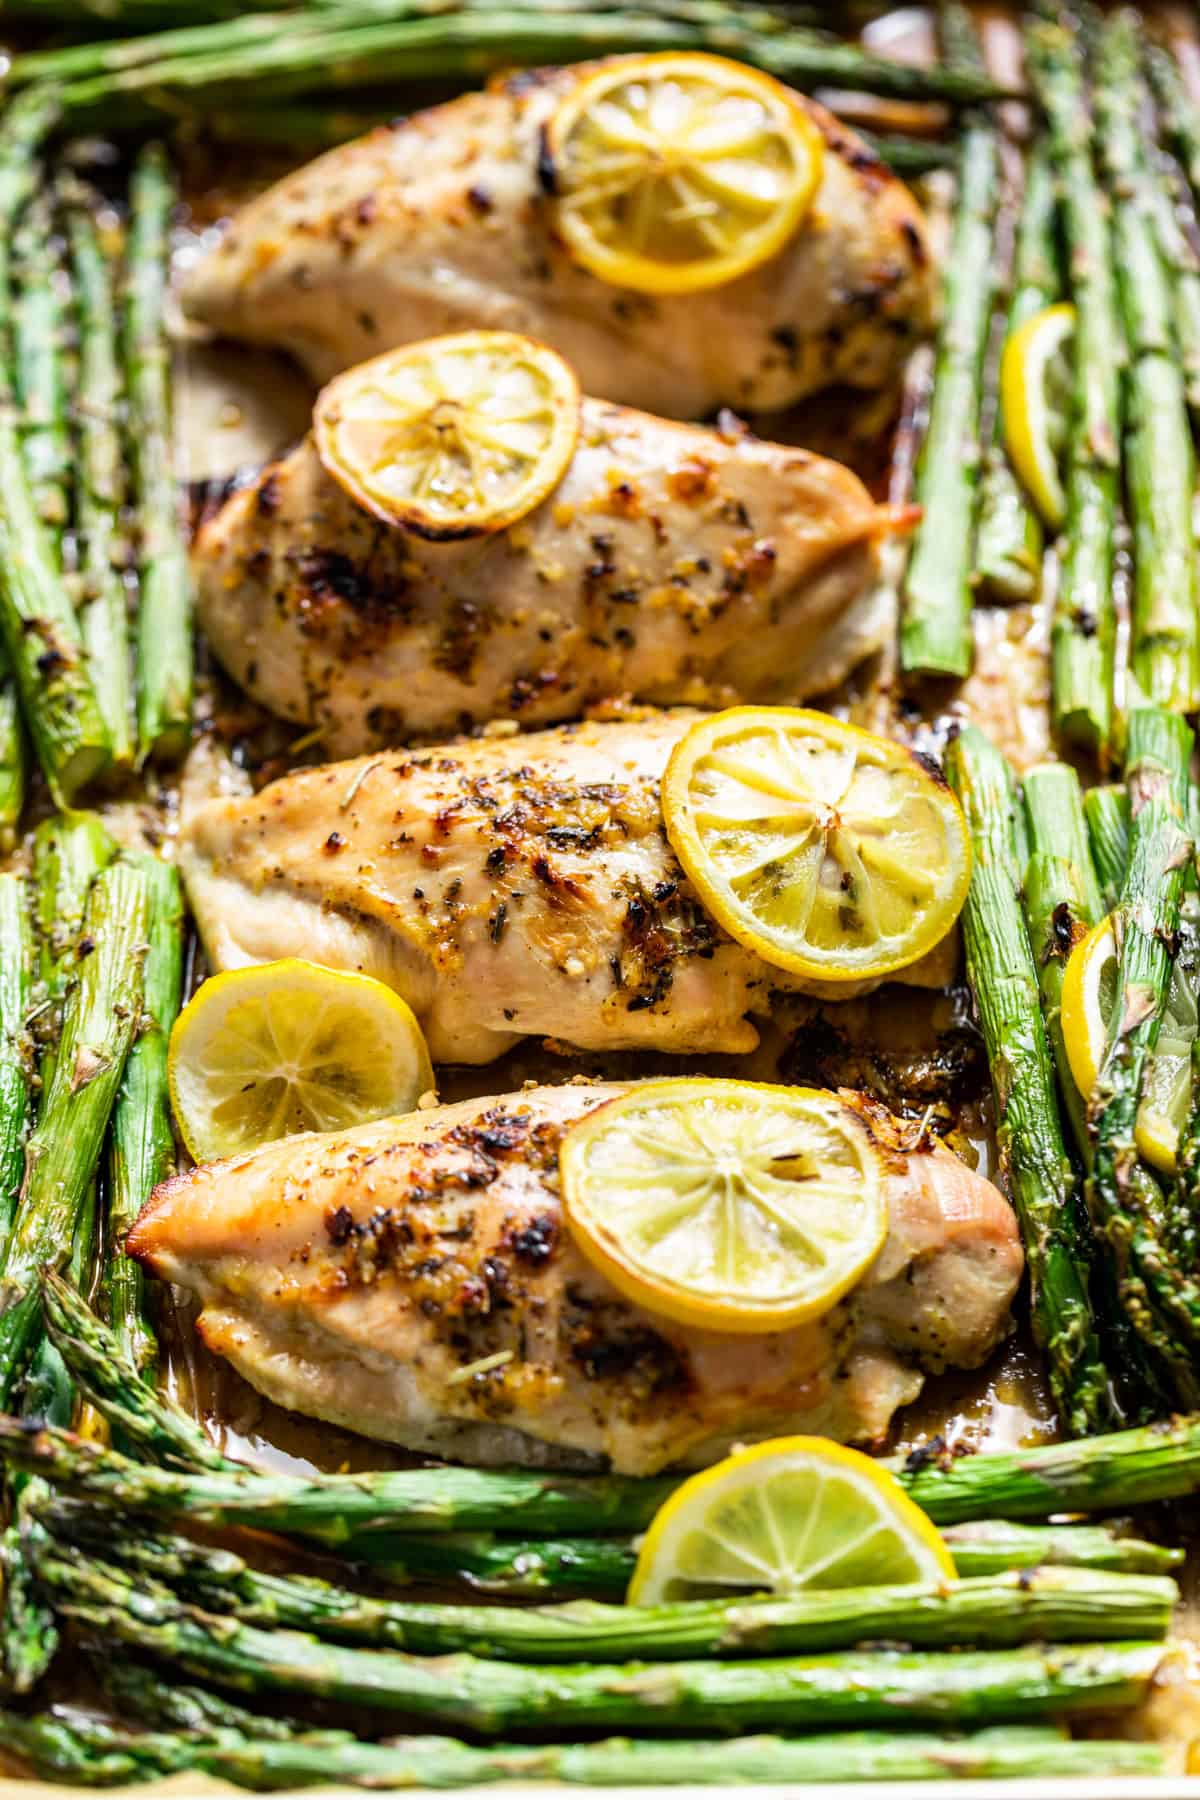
(794, 1513)
(828, 851)
(289, 1046)
(454, 436)
(725, 1204)
(1089, 998)
(1034, 378)
(679, 172)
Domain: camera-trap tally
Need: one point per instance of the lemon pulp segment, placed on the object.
(726, 1204)
(782, 1516)
(678, 172)
(289, 1046)
(824, 849)
(453, 436)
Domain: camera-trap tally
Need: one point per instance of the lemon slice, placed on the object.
(824, 849)
(1089, 998)
(677, 172)
(289, 1046)
(1034, 382)
(725, 1204)
(794, 1513)
(454, 436)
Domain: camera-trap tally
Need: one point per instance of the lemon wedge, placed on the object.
(290, 1046)
(1034, 381)
(454, 436)
(729, 1205)
(1089, 997)
(782, 1516)
(677, 172)
(826, 850)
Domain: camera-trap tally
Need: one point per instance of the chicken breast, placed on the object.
(443, 221)
(504, 887)
(412, 1280)
(671, 563)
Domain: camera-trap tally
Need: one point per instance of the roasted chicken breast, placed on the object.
(505, 887)
(444, 221)
(671, 563)
(360, 1278)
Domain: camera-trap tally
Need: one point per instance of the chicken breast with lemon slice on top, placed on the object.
(447, 220)
(414, 1280)
(506, 887)
(668, 563)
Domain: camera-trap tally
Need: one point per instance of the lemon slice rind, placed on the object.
(280, 1047)
(1167, 1083)
(1026, 363)
(452, 437)
(829, 852)
(783, 1516)
(679, 171)
(728, 1205)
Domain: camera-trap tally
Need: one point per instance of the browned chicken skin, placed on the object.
(443, 221)
(356, 1277)
(671, 563)
(506, 887)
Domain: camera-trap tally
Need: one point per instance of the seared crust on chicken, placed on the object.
(505, 887)
(671, 563)
(359, 1278)
(443, 221)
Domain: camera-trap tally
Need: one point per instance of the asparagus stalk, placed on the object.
(143, 1143)
(1178, 111)
(164, 629)
(1107, 812)
(1165, 650)
(1159, 1296)
(935, 635)
(1008, 544)
(76, 1749)
(16, 978)
(604, 1566)
(99, 494)
(305, 51)
(38, 627)
(488, 1696)
(38, 353)
(1019, 1607)
(1084, 620)
(353, 1513)
(98, 1025)
(1058, 826)
(1004, 980)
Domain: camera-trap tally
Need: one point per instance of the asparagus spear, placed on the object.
(38, 627)
(484, 1695)
(99, 488)
(1107, 812)
(164, 628)
(1004, 980)
(38, 352)
(69, 1746)
(353, 1513)
(1159, 1296)
(1165, 652)
(603, 1566)
(1075, 1605)
(1058, 826)
(935, 636)
(1180, 117)
(98, 1025)
(143, 1143)
(304, 51)
(1084, 622)
(1008, 544)
(16, 977)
